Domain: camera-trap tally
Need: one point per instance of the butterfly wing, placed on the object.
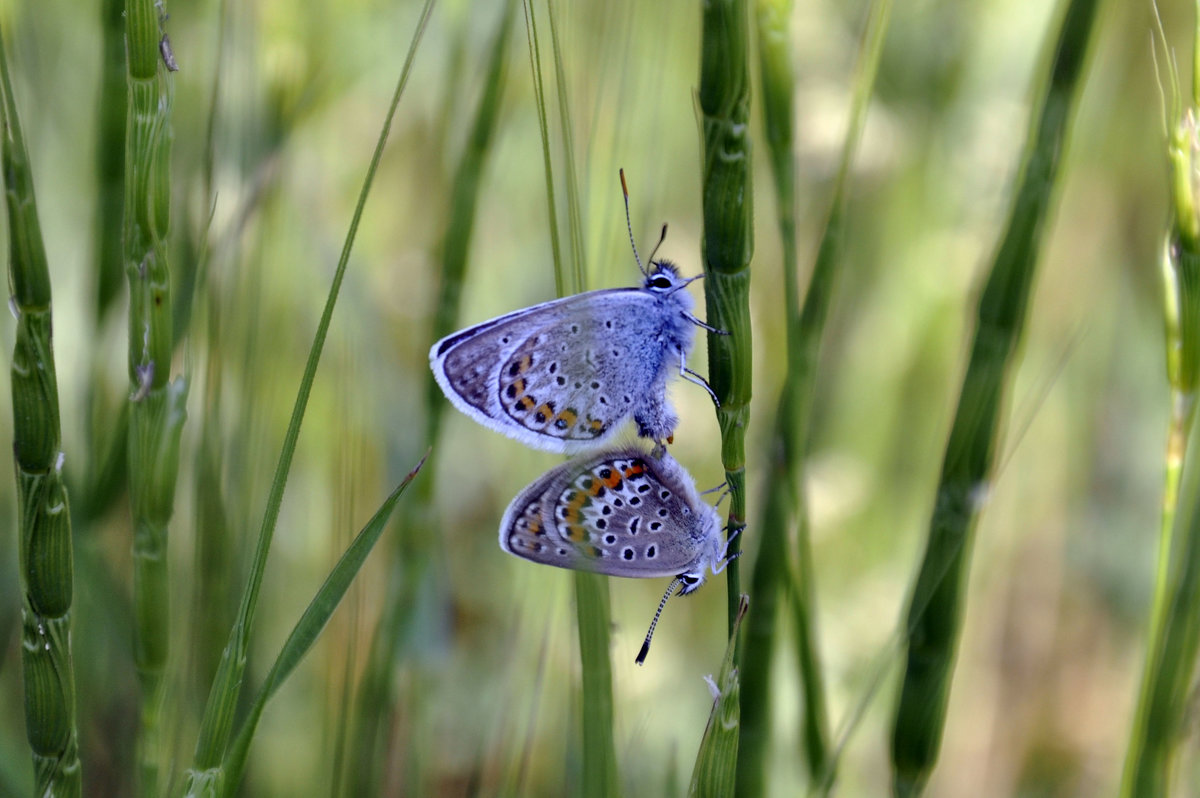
(621, 513)
(559, 376)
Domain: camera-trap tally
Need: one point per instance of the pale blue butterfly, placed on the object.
(563, 375)
(620, 512)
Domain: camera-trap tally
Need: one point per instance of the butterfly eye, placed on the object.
(660, 282)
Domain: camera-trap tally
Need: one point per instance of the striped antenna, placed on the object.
(641, 657)
(629, 224)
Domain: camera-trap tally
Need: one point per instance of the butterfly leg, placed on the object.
(726, 557)
(684, 371)
(705, 326)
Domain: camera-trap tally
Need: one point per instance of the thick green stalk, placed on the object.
(44, 538)
(728, 242)
(156, 405)
(936, 608)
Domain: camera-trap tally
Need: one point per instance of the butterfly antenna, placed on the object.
(629, 224)
(661, 238)
(641, 657)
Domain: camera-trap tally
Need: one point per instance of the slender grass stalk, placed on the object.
(214, 554)
(783, 500)
(44, 539)
(207, 773)
(107, 443)
(592, 604)
(599, 754)
(574, 215)
(156, 405)
(784, 506)
(715, 771)
(1168, 684)
(728, 243)
(936, 608)
(1169, 651)
(377, 690)
(561, 285)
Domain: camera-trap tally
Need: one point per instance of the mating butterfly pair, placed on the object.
(564, 376)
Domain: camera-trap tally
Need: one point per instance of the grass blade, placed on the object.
(936, 607)
(205, 774)
(785, 507)
(377, 689)
(592, 605)
(715, 771)
(309, 627)
(44, 540)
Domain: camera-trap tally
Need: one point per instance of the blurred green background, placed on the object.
(487, 663)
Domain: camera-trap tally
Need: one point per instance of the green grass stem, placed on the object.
(566, 130)
(727, 243)
(593, 613)
(45, 558)
(416, 553)
(1156, 732)
(1167, 686)
(206, 773)
(562, 284)
(156, 404)
(784, 506)
(592, 604)
(938, 600)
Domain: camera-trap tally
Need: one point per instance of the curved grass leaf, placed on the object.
(935, 612)
(305, 633)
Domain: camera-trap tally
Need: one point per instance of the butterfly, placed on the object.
(621, 512)
(564, 375)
